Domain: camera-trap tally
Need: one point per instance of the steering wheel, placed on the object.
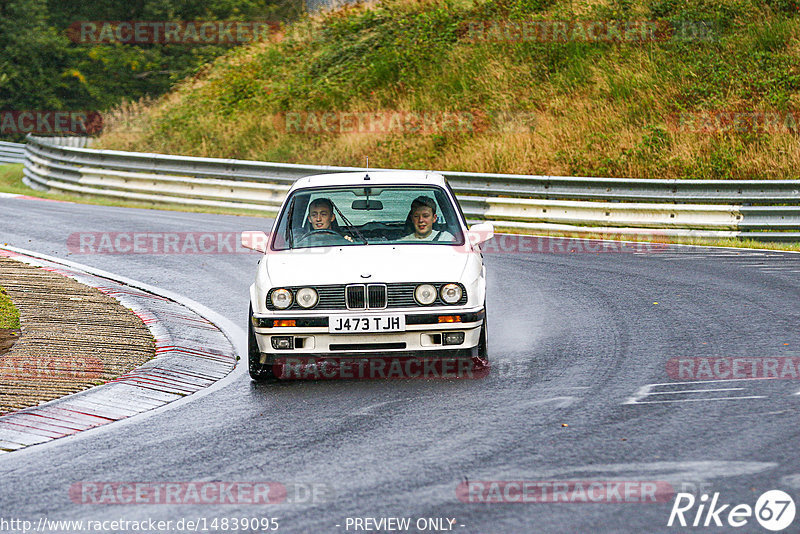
(323, 231)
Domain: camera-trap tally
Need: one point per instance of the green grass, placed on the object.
(11, 182)
(730, 242)
(9, 315)
(595, 108)
(11, 179)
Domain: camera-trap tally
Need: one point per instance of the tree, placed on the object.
(34, 67)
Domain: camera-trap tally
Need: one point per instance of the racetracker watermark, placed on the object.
(198, 492)
(33, 121)
(15, 367)
(732, 368)
(172, 32)
(564, 491)
(523, 244)
(586, 31)
(378, 368)
(425, 122)
(729, 121)
(243, 243)
(163, 242)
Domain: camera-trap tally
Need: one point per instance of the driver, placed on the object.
(321, 215)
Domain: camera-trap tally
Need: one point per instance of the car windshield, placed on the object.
(358, 215)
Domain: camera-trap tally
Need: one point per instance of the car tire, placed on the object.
(258, 371)
(483, 343)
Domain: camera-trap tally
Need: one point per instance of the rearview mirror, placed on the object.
(370, 205)
(255, 241)
(481, 233)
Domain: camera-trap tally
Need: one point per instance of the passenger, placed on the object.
(423, 216)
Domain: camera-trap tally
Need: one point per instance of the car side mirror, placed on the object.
(255, 240)
(481, 233)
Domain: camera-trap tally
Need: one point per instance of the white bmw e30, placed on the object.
(365, 265)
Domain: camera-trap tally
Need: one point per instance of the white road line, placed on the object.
(648, 389)
(722, 257)
(698, 400)
(692, 391)
(740, 263)
(710, 254)
(710, 381)
(640, 393)
(776, 265)
(367, 410)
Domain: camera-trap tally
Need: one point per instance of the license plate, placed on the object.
(383, 323)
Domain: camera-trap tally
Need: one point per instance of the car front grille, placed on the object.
(376, 296)
(356, 299)
(367, 297)
(400, 296)
(370, 296)
(330, 297)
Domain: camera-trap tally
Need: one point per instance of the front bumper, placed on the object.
(424, 336)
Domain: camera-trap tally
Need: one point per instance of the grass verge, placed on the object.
(716, 95)
(9, 315)
(730, 242)
(11, 182)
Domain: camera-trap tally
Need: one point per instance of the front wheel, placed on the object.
(483, 343)
(258, 371)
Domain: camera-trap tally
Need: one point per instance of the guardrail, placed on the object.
(758, 209)
(12, 152)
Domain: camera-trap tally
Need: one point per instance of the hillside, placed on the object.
(629, 88)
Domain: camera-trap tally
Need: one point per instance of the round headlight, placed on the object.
(425, 294)
(281, 298)
(307, 297)
(451, 293)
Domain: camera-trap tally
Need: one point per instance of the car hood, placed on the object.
(352, 264)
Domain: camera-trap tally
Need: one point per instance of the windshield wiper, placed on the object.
(350, 225)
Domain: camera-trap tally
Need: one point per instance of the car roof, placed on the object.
(374, 178)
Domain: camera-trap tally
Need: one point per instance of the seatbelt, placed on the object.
(437, 236)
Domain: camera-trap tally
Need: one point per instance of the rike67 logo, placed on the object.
(774, 510)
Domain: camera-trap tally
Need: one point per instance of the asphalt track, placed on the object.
(576, 339)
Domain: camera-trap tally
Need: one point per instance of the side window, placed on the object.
(458, 206)
(445, 216)
(297, 207)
